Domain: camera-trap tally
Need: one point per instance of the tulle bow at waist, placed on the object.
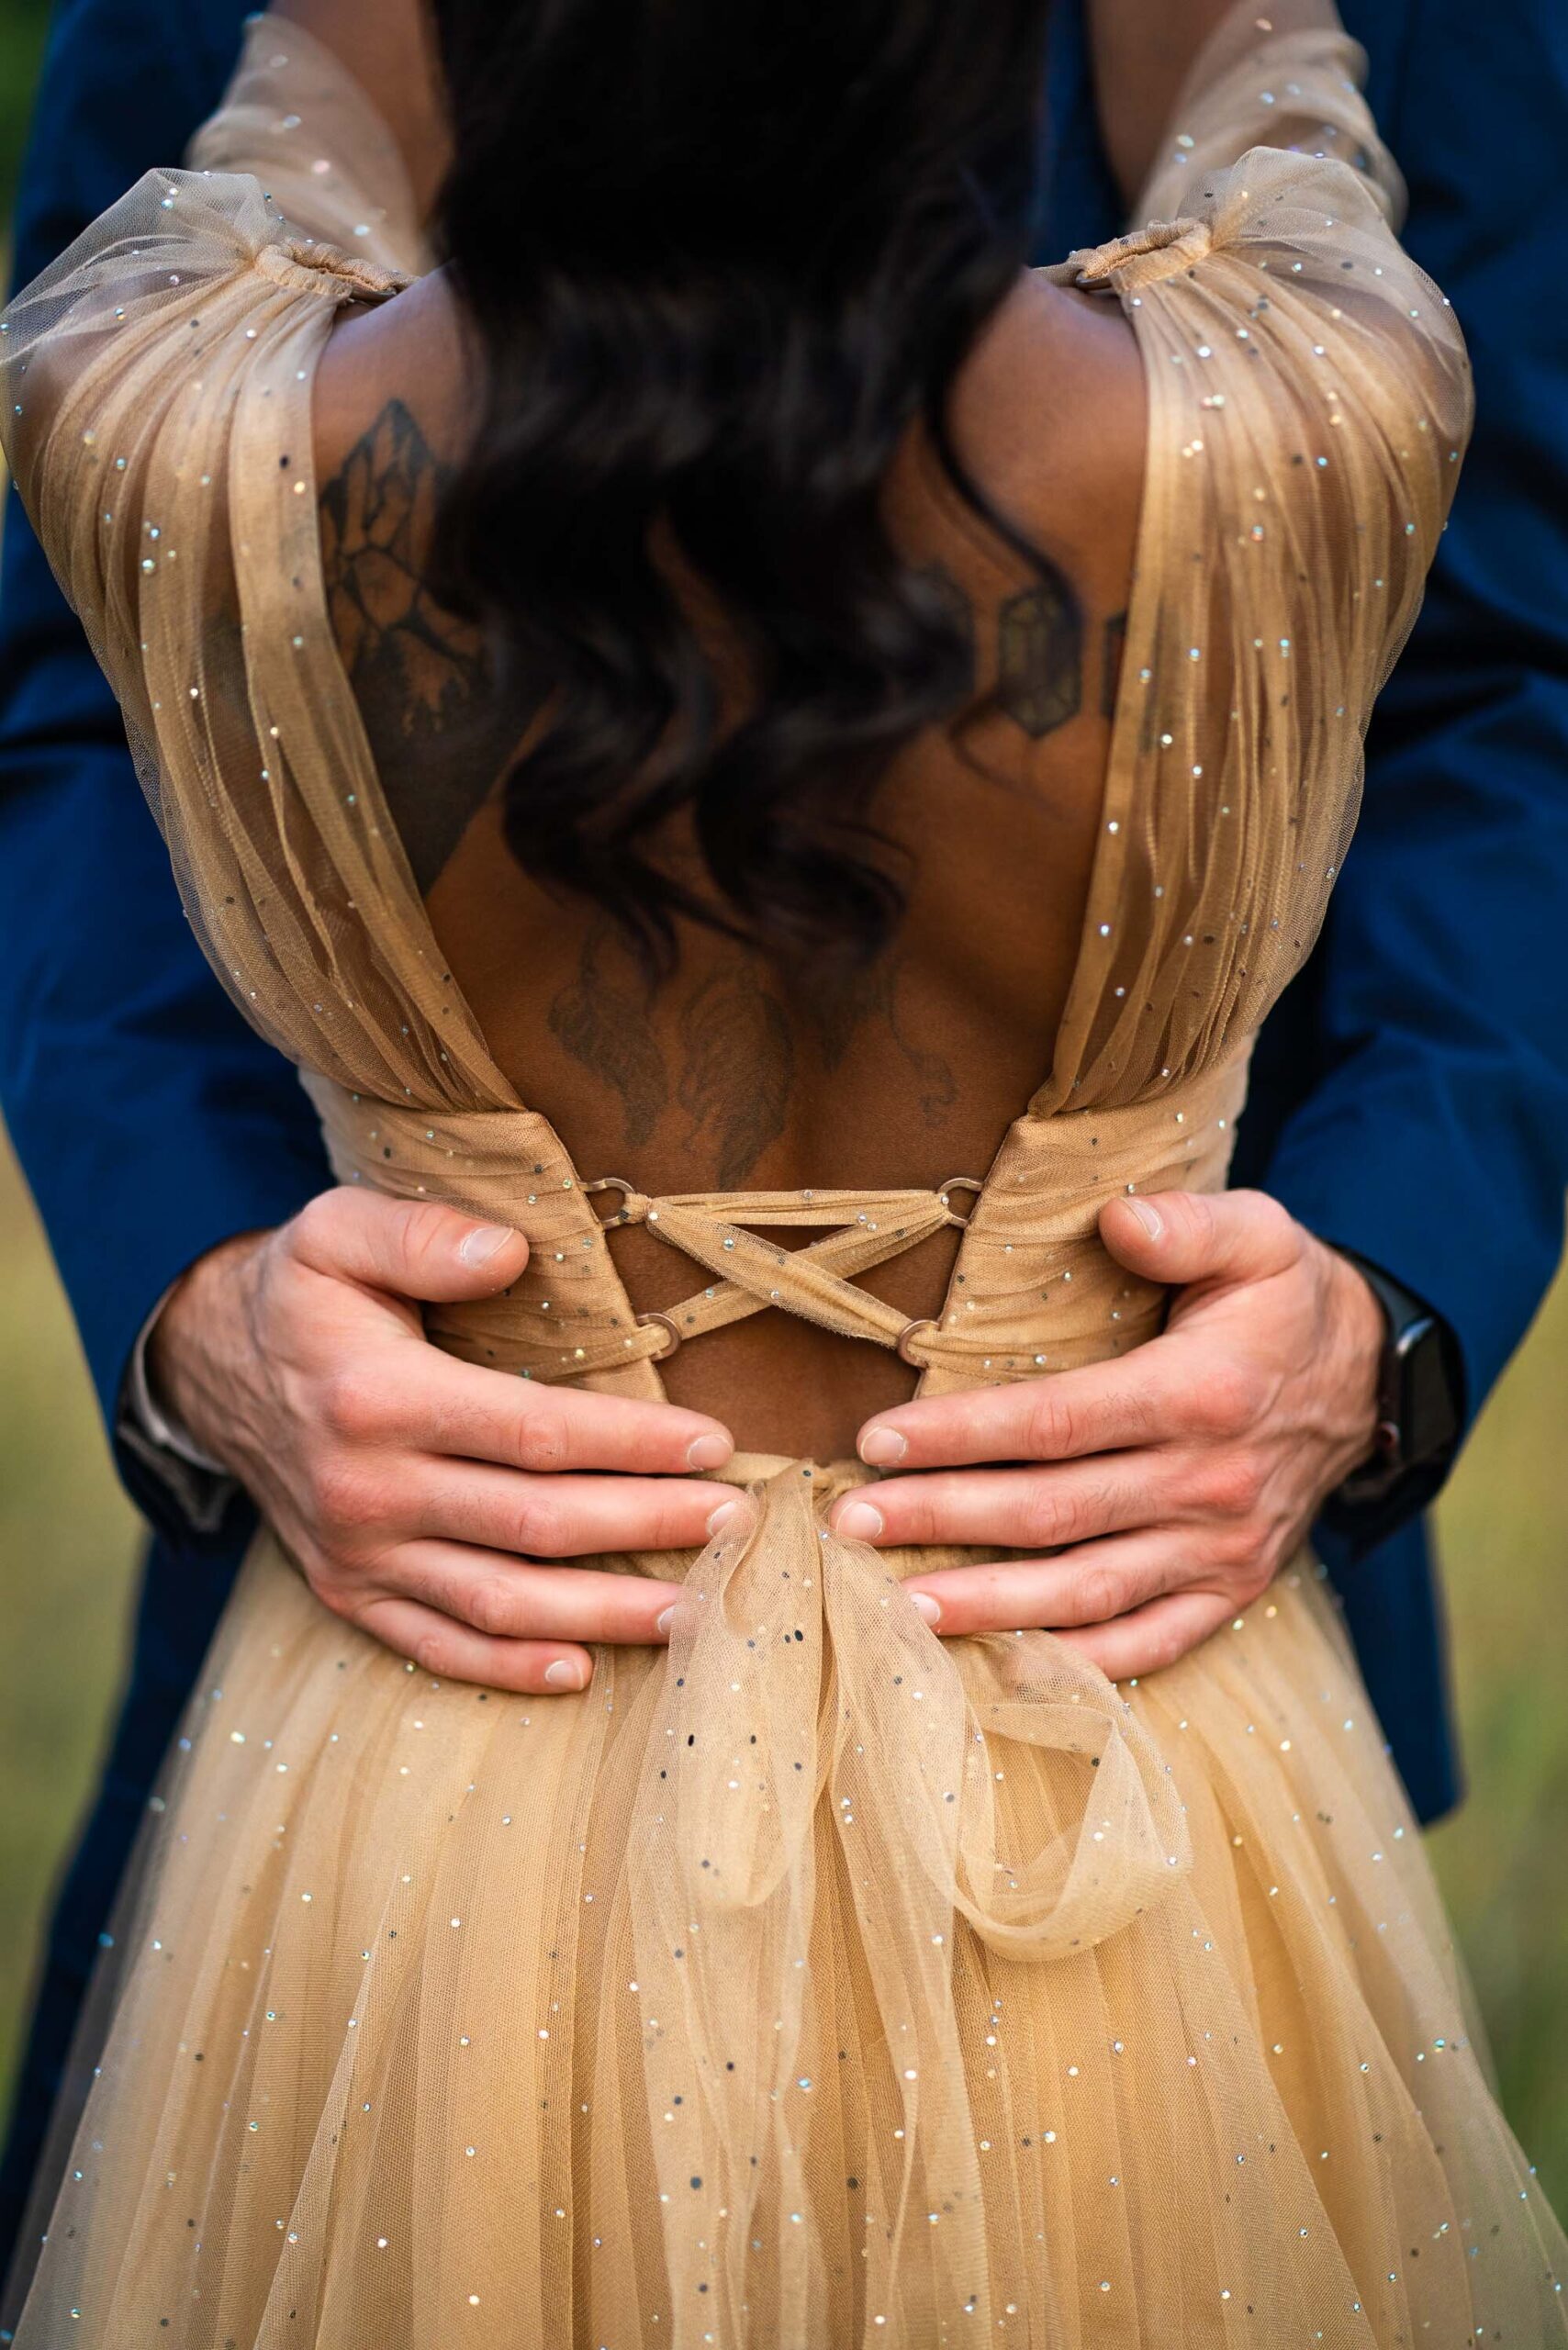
(811, 1728)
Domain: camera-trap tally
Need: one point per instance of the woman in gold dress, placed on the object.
(812, 1981)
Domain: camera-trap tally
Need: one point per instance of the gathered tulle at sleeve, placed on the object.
(1309, 400)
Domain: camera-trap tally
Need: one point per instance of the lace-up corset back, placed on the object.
(1307, 400)
(1032, 1289)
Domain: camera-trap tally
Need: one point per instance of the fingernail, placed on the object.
(1149, 1216)
(860, 1521)
(486, 1240)
(564, 1674)
(709, 1451)
(879, 1447)
(664, 1619)
(722, 1516)
(929, 1611)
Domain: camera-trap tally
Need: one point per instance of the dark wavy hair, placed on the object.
(717, 256)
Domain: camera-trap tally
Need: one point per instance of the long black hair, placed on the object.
(717, 256)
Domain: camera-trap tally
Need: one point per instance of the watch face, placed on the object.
(1420, 1408)
(1429, 1421)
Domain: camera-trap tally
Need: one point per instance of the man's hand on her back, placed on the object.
(1167, 1486)
(421, 1495)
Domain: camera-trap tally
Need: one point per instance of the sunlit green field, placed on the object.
(67, 1548)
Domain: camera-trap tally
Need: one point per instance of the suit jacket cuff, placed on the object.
(200, 1487)
(1394, 1175)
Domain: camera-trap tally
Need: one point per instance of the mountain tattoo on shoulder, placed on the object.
(438, 733)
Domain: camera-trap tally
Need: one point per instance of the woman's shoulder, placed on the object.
(1050, 415)
(411, 356)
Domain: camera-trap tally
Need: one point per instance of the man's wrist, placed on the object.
(148, 1413)
(1362, 1333)
(177, 1361)
(151, 1432)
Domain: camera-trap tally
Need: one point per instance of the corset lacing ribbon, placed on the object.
(812, 1282)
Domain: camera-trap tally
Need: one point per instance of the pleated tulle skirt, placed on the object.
(814, 1983)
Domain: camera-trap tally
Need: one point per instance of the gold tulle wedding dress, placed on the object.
(814, 1983)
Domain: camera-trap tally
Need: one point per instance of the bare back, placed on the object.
(726, 1076)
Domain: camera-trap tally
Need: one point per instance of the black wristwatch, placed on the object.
(1420, 1413)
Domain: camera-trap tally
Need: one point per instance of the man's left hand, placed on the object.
(1171, 1484)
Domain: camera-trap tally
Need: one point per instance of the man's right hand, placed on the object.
(418, 1494)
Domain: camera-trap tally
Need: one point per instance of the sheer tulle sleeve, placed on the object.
(1298, 90)
(1309, 401)
(157, 395)
(294, 117)
(157, 386)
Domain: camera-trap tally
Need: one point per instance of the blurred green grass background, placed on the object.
(68, 1551)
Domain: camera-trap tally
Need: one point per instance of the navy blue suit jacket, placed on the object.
(1411, 1095)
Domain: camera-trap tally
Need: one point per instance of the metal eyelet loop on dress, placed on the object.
(900, 1344)
(611, 1184)
(664, 1352)
(960, 1183)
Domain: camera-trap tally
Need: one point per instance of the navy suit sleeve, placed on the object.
(1432, 1134)
(151, 1122)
